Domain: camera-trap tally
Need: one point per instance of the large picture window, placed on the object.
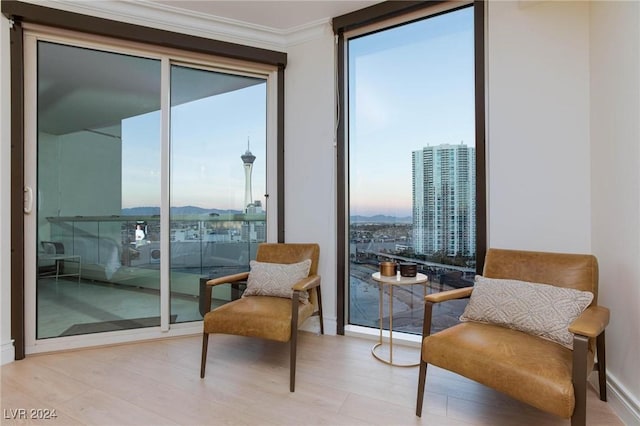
(410, 138)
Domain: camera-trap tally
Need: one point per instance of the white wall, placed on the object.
(563, 132)
(310, 166)
(538, 126)
(615, 186)
(7, 352)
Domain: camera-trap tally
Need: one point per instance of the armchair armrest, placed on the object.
(591, 322)
(241, 276)
(443, 296)
(205, 306)
(307, 283)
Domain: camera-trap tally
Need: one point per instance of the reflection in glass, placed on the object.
(218, 175)
(97, 147)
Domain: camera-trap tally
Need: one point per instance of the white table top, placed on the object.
(400, 280)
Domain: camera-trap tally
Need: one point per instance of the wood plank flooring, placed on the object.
(338, 383)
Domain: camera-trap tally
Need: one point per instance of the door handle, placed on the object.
(28, 199)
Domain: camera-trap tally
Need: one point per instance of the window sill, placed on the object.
(373, 334)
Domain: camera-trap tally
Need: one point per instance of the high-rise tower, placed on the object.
(444, 209)
(248, 158)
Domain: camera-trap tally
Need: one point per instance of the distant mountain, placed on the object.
(183, 210)
(379, 218)
(141, 211)
(199, 210)
(193, 210)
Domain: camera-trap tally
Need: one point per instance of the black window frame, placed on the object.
(376, 14)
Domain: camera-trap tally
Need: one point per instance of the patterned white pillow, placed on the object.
(540, 309)
(276, 279)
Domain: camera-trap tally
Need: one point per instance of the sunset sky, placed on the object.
(410, 87)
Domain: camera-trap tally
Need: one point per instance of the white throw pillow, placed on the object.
(539, 309)
(276, 279)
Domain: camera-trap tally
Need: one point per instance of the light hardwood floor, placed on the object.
(338, 383)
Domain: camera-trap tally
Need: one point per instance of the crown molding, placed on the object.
(308, 32)
(160, 16)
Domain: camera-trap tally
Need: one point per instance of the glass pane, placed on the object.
(412, 165)
(218, 182)
(98, 157)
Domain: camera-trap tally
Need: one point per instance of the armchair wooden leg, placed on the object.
(580, 344)
(602, 366)
(426, 331)
(205, 345)
(294, 341)
(319, 295)
(292, 362)
(421, 381)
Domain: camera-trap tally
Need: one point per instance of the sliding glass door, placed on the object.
(145, 176)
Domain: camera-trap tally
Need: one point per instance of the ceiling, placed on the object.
(278, 15)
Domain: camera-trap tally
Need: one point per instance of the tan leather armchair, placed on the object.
(267, 317)
(539, 372)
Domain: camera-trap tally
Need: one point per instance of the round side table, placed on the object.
(392, 281)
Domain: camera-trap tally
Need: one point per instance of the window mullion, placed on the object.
(165, 103)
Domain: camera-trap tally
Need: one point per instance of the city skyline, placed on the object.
(429, 100)
(409, 87)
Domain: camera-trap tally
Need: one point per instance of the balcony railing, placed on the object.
(205, 245)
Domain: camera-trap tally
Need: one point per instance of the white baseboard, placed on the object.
(8, 353)
(621, 401)
(330, 326)
(373, 334)
(313, 325)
